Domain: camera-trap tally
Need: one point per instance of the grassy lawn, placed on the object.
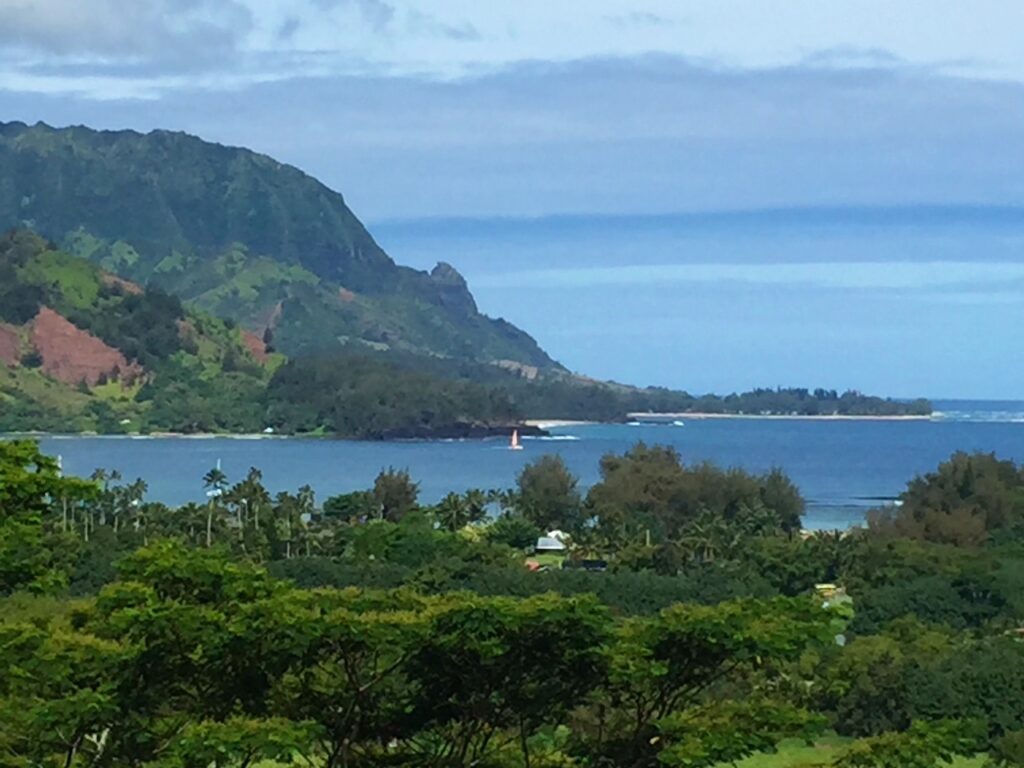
(549, 559)
(797, 754)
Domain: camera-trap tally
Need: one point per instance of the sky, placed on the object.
(704, 195)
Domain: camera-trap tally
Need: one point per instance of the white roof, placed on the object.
(547, 542)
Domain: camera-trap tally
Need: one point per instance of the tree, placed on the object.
(548, 495)
(395, 494)
(781, 498)
(488, 665)
(240, 742)
(452, 512)
(215, 481)
(58, 695)
(31, 486)
(248, 499)
(923, 745)
(661, 668)
(355, 507)
(968, 500)
(514, 531)
(353, 684)
(1008, 751)
(648, 494)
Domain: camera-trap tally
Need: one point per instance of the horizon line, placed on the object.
(893, 211)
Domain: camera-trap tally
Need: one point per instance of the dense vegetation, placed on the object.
(372, 630)
(556, 395)
(183, 371)
(242, 236)
(803, 402)
(367, 398)
(189, 372)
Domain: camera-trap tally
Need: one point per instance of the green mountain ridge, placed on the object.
(82, 350)
(86, 351)
(364, 347)
(238, 234)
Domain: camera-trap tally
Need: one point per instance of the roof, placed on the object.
(549, 543)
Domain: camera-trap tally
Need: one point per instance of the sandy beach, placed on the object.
(655, 417)
(555, 423)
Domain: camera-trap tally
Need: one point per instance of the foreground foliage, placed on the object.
(386, 632)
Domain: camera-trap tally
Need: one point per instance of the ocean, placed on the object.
(843, 468)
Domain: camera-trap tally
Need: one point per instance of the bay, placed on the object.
(843, 468)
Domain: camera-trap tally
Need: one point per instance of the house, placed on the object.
(549, 545)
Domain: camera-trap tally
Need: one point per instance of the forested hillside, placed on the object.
(239, 235)
(81, 349)
(690, 624)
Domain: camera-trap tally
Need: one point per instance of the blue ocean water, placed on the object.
(843, 468)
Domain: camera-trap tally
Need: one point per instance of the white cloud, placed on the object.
(124, 29)
(376, 13)
(260, 40)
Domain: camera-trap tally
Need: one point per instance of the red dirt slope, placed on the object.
(255, 346)
(72, 355)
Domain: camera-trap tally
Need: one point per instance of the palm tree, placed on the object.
(706, 536)
(759, 520)
(476, 505)
(215, 481)
(452, 512)
(186, 520)
(257, 499)
(101, 477)
(304, 509)
(134, 495)
(285, 513)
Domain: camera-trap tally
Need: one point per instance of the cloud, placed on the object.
(853, 57)
(652, 134)
(377, 14)
(640, 19)
(120, 29)
(288, 28)
(425, 24)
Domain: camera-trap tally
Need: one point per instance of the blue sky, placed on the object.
(582, 163)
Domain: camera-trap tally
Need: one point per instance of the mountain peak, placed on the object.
(444, 273)
(240, 235)
(452, 288)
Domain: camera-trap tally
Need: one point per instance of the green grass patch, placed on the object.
(116, 392)
(824, 752)
(77, 280)
(34, 385)
(41, 610)
(549, 559)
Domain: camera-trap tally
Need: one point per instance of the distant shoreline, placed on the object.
(536, 427)
(469, 433)
(556, 423)
(654, 418)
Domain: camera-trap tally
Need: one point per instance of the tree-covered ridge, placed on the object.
(144, 362)
(174, 365)
(795, 401)
(241, 236)
(169, 368)
(372, 630)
